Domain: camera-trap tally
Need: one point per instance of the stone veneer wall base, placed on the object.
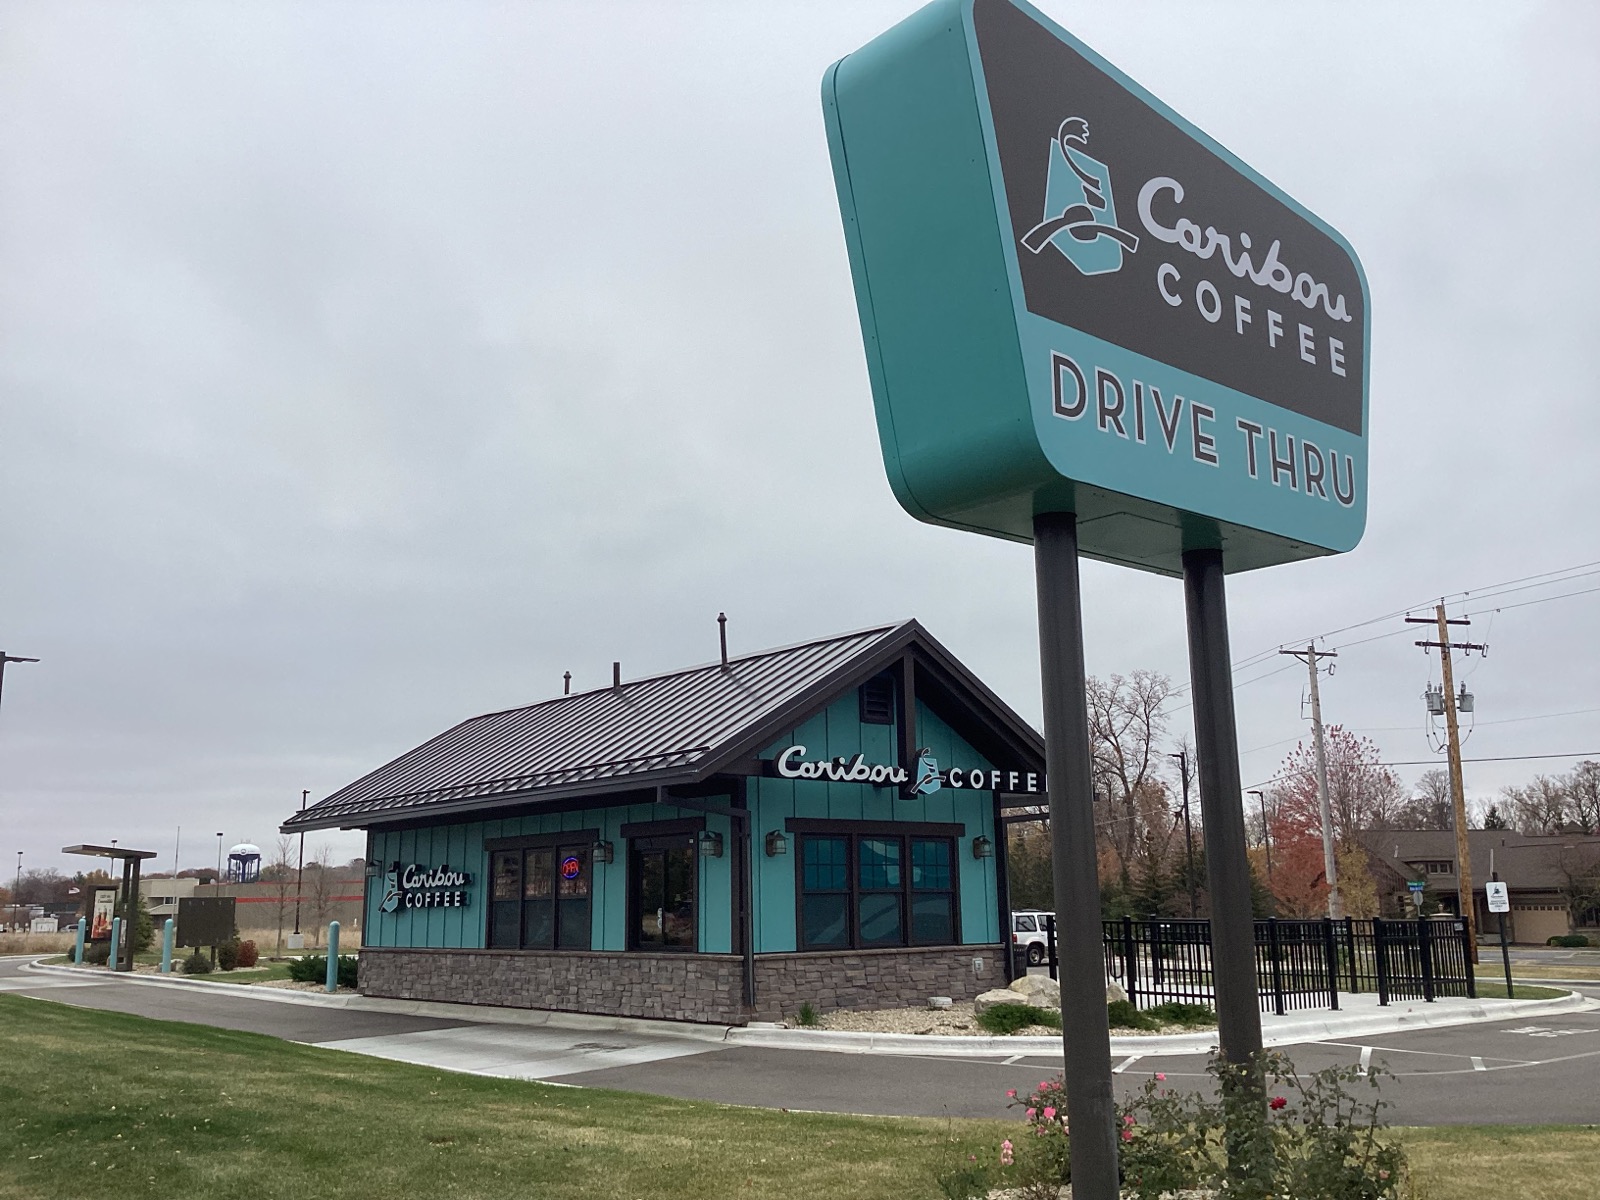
(680, 987)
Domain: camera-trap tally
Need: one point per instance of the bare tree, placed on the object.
(1430, 806)
(1538, 807)
(1583, 797)
(321, 882)
(280, 874)
(1579, 868)
(1127, 720)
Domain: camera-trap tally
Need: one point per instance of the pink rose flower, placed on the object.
(1011, 1093)
(1049, 1112)
(1029, 1114)
(1160, 1078)
(1277, 1102)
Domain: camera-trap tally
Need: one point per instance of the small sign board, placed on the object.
(1499, 897)
(102, 908)
(1073, 300)
(205, 920)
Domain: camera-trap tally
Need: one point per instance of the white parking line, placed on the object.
(1477, 1064)
(1126, 1063)
(1366, 1059)
(516, 1053)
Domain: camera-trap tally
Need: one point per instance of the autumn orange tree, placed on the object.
(1362, 794)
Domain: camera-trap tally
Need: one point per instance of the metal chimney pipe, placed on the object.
(722, 634)
(616, 675)
(566, 683)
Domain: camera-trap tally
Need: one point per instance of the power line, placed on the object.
(1433, 762)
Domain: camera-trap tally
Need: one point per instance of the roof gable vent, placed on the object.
(877, 700)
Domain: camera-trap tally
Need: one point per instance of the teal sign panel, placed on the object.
(1073, 300)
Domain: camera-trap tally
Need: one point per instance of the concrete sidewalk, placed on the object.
(1359, 1015)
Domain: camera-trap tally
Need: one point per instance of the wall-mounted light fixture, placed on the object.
(372, 868)
(602, 852)
(776, 844)
(710, 844)
(982, 847)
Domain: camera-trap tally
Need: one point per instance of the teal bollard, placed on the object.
(116, 942)
(167, 932)
(333, 956)
(83, 930)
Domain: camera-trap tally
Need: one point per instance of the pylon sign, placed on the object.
(1074, 300)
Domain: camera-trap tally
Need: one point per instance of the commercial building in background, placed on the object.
(816, 823)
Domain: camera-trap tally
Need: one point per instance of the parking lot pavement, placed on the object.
(1522, 1071)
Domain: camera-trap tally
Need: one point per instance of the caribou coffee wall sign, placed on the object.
(1073, 299)
(792, 763)
(414, 885)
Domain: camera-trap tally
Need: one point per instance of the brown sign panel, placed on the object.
(205, 920)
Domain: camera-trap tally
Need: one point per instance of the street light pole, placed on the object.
(218, 879)
(1266, 831)
(300, 871)
(16, 891)
(1188, 832)
(9, 658)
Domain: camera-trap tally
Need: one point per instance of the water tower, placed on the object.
(244, 863)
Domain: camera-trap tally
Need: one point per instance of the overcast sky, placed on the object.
(364, 367)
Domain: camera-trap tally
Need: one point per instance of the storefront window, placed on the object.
(856, 890)
(540, 898)
(825, 892)
(662, 888)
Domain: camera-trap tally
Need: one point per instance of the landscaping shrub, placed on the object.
(1314, 1139)
(1572, 941)
(1123, 1015)
(228, 954)
(1191, 1016)
(806, 1018)
(313, 968)
(198, 963)
(248, 955)
(1002, 1019)
(98, 953)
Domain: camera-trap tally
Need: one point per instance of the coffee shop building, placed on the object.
(818, 823)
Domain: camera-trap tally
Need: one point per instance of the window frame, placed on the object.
(853, 833)
(569, 839)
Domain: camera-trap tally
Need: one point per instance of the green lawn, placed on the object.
(1495, 989)
(107, 1105)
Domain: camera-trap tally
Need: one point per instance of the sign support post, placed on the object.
(1085, 1028)
(1499, 904)
(1233, 937)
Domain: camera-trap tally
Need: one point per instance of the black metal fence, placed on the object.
(1299, 964)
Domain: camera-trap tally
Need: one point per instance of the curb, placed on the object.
(466, 1014)
(1413, 1015)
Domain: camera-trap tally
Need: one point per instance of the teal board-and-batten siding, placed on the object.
(462, 846)
(839, 730)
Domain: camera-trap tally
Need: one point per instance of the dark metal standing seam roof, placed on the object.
(665, 725)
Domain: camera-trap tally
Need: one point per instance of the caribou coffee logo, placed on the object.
(1080, 215)
(417, 886)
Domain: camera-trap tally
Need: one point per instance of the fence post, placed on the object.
(1466, 961)
(77, 951)
(1331, 949)
(1277, 966)
(333, 956)
(168, 928)
(1050, 945)
(1380, 960)
(1425, 956)
(1130, 960)
(1350, 945)
(1155, 951)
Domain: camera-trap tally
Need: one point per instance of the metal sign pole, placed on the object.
(1505, 950)
(1233, 937)
(1085, 1030)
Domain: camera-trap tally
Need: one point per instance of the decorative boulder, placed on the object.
(1038, 990)
(989, 999)
(1114, 993)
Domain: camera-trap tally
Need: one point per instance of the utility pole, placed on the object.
(1330, 867)
(1458, 795)
(1188, 833)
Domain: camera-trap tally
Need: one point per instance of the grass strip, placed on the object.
(105, 1105)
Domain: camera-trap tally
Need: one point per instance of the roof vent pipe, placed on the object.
(722, 633)
(616, 675)
(566, 683)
